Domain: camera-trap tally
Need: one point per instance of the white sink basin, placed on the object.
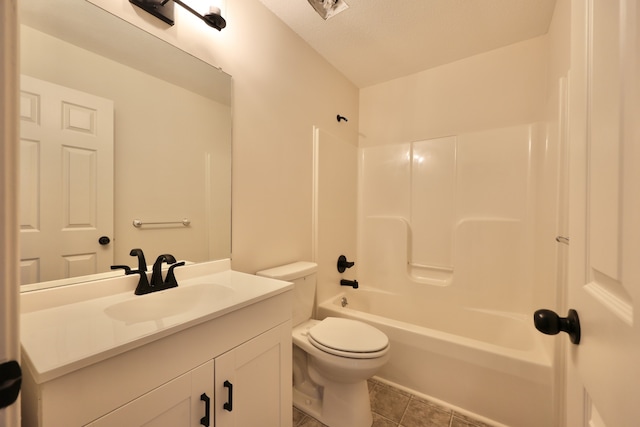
(67, 328)
(167, 303)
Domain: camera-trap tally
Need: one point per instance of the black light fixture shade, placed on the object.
(159, 9)
(215, 20)
(212, 19)
(163, 9)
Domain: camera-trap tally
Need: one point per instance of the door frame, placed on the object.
(577, 135)
(9, 164)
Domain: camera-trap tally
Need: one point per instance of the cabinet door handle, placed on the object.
(206, 420)
(229, 405)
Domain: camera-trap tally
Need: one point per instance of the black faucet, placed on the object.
(143, 283)
(157, 284)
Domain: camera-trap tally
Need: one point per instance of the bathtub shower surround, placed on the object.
(446, 257)
(453, 212)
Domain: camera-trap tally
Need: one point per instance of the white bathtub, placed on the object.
(487, 363)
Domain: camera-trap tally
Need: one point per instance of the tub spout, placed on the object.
(352, 283)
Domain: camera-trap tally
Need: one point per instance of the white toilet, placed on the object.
(332, 358)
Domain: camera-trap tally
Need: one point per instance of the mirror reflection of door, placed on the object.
(73, 132)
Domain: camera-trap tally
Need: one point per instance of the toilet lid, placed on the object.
(347, 336)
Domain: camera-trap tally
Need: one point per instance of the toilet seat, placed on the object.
(348, 338)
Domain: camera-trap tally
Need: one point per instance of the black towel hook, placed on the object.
(339, 118)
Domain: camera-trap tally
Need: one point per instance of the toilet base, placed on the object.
(341, 405)
(309, 405)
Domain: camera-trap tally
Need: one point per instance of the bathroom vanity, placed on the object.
(216, 350)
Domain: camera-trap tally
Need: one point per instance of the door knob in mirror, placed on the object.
(548, 322)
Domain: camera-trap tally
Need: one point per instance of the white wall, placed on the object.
(282, 88)
(496, 89)
(336, 201)
(551, 257)
(550, 158)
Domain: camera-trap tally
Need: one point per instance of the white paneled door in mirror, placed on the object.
(604, 272)
(73, 132)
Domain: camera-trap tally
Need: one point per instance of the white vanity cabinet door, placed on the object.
(177, 403)
(259, 372)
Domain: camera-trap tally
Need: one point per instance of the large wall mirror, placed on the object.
(117, 126)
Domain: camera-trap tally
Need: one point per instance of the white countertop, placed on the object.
(65, 337)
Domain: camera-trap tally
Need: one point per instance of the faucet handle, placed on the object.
(126, 268)
(170, 281)
(143, 282)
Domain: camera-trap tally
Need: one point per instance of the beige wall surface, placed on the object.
(282, 88)
(500, 88)
(549, 273)
(550, 162)
(336, 197)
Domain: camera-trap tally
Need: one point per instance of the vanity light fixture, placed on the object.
(163, 9)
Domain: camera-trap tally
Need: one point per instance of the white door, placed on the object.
(604, 253)
(66, 182)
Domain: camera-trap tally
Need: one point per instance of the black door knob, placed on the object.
(104, 240)
(548, 322)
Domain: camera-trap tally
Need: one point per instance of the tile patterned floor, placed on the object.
(392, 407)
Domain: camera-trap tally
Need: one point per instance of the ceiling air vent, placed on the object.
(328, 8)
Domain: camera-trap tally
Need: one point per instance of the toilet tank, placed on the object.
(303, 276)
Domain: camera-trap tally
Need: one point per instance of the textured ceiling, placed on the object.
(378, 40)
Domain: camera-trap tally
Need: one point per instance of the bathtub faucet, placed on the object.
(352, 283)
